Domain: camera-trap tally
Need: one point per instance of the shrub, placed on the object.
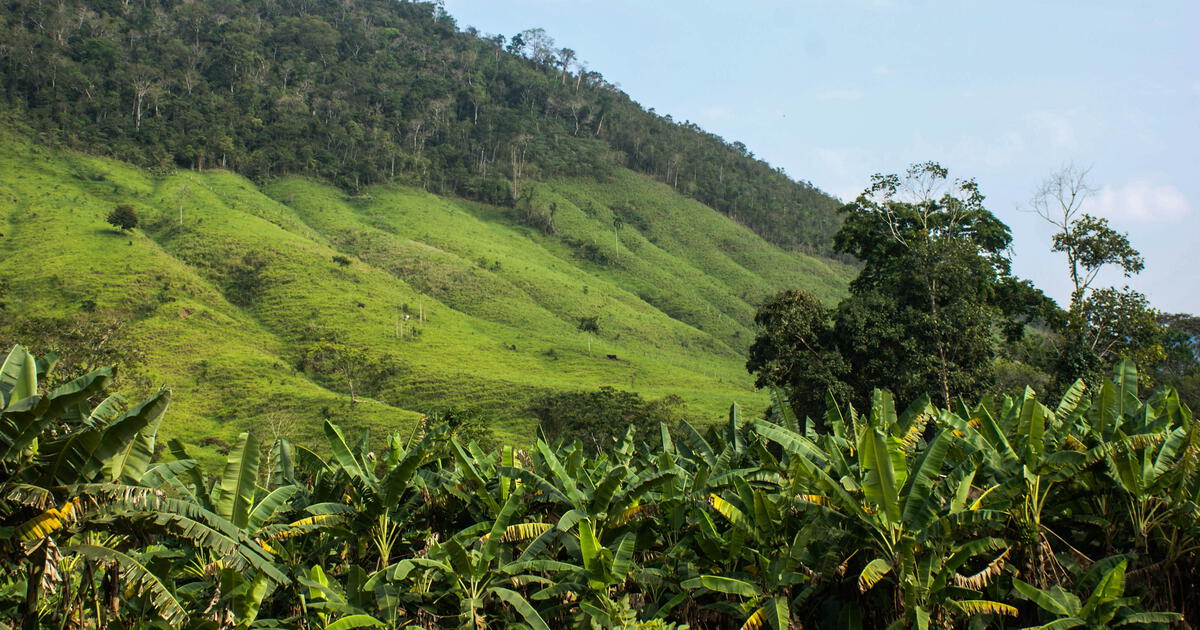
(123, 217)
(590, 324)
(600, 418)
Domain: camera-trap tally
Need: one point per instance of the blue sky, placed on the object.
(1006, 93)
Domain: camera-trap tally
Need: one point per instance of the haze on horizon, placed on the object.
(834, 92)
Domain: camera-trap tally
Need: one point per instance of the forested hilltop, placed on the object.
(362, 93)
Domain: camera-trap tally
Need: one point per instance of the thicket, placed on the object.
(597, 419)
(362, 93)
(1005, 513)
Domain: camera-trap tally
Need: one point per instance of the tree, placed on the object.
(795, 350)
(921, 315)
(332, 357)
(1088, 242)
(925, 314)
(1181, 344)
(1109, 324)
(123, 217)
(1104, 324)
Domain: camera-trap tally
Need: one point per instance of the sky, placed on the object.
(1005, 93)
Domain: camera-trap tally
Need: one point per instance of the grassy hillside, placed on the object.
(365, 92)
(274, 301)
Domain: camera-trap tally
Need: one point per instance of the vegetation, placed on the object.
(599, 419)
(396, 249)
(1101, 323)
(1006, 513)
(122, 217)
(935, 310)
(362, 94)
(228, 305)
(924, 316)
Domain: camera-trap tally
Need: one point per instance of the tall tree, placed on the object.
(925, 314)
(1102, 324)
(921, 314)
(796, 350)
(1089, 242)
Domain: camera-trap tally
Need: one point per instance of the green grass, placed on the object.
(674, 290)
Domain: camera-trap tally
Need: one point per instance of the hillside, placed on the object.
(233, 294)
(360, 93)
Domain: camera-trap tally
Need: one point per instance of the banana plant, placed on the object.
(899, 498)
(476, 571)
(235, 503)
(768, 567)
(384, 495)
(594, 584)
(607, 492)
(1027, 453)
(54, 452)
(1106, 606)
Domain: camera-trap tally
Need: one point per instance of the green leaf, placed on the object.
(18, 376)
(918, 511)
(777, 613)
(791, 441)
(623, 558)
(603, 494)
(78, 390)
(1110, 588)
(271, 505)
(723, 585)
(527, 612)
(107, 411)
(1070, 400)
(733, 432)
(235, 494)
(503, 519)
(354, 621)
(397, 479)
(140, 579)
(566, 483)
(1042, 598)
(132, 461)
(1149, 618)
(1125, 377)
(872, 573)
(199, 489)
(458, 558)
(589, 547)
(76, 457)
(1060, 624)
(880, 485)
(344, 457)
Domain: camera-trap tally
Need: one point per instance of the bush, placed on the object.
(598, 419)
(590, 324)
(123, 217)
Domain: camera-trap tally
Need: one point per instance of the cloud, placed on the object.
(1054, 128)
(1140, 201)
(838, 95)
(845, 169)
(715, 113)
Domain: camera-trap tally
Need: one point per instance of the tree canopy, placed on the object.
(925, 315)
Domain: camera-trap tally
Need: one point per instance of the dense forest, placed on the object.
(361, 93)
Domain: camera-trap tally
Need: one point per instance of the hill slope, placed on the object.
(364, 92)
(263, 307)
